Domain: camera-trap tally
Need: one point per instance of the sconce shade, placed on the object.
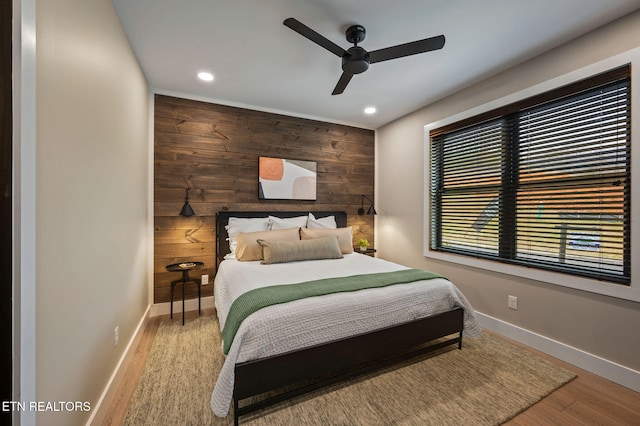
(371, 210)
(186, 209)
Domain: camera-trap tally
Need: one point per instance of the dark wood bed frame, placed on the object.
(318, 366)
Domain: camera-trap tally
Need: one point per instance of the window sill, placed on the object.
(604, 288)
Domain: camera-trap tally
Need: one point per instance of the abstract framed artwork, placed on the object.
(282, 179)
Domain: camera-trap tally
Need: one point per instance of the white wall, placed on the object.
(92, 237)
(599, 325)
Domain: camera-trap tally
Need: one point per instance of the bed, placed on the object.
(309, 343)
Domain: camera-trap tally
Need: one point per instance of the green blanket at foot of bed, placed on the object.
(259, 298)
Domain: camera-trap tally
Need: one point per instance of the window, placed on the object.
(544, 182)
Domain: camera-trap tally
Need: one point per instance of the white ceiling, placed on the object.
(259, 63)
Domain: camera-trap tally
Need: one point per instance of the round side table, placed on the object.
(185, 267)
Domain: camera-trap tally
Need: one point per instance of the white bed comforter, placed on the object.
(280, 328)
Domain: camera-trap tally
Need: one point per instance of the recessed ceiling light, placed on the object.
(370, 110)
(205, 76)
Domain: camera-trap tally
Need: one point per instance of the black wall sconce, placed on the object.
(371, 210)
(186, 209)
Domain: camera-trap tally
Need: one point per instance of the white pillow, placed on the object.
(287, 222)
(237, 225)
(328, 222)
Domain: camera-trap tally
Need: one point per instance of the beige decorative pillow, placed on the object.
(248, 249)
(345, 236)
(243, 224)
(289, 251)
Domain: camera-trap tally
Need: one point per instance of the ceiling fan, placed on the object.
(356, 60)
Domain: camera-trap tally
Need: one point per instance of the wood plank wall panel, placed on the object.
(214, 150)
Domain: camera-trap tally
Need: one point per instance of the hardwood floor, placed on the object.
(118, 408)
(586, 400)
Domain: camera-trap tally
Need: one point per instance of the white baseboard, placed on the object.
(99, 411)
(617, 373)
(189, 305)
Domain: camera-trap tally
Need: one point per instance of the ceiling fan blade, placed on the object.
(345, 78)
(320, 40)
(407, 49)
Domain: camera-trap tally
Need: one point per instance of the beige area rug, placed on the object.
(486, 383)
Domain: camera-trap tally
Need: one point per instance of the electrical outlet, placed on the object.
(116, 336)
(205, 279)
(513, 303)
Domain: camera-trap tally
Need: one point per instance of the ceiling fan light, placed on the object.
(357, 61)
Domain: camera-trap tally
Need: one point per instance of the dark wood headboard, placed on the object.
(222, 219)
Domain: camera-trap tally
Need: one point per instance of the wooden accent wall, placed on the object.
(214, 150)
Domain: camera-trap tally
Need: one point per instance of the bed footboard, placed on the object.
(321, 365)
